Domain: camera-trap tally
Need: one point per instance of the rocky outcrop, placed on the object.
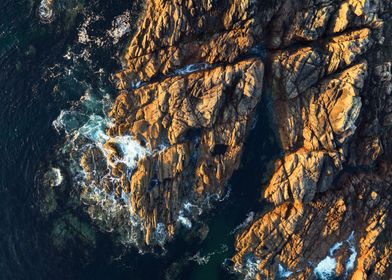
(192, 79)
(188, 93)
(300, 236)
(174, 34)
(195, 126)
(330, 190)
(314, 130)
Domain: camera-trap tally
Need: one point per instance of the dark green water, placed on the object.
(45, 69)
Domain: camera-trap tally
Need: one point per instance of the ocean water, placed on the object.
(57, 59)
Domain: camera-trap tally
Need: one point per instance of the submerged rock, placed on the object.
(50, 183)
(70, 230)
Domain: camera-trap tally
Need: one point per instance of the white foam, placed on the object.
(125, 197)
(188, 212)
(335, 247)
(66, 121)
(249, 218)
(189, 206)
(121, 25)
(251, 268)
(85, 124)
(283, 272)
(351, 260)
(185, 221)
(58, 177)
(192, 68)
(326, 268)
(160, 234)
(203, 260)
(45, 11)
(53, 177)
(85, 127)
(131, 150)
(200, 260)
(84, 37)
(216, 197)
(94, 129)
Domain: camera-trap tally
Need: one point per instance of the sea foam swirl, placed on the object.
(45, 11)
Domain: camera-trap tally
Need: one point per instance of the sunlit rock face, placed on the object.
(174, 34)
(300, 236)
(192, 78)
(187, 99)
(194, 125)
(315, 129)
(331, 84)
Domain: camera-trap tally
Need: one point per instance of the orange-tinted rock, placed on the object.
(191, 82)
(194, 126)
(331, 188)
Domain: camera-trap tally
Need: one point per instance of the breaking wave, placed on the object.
(84, 127)
(85, 151)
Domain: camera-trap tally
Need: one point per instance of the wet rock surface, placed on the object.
(193, 76)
